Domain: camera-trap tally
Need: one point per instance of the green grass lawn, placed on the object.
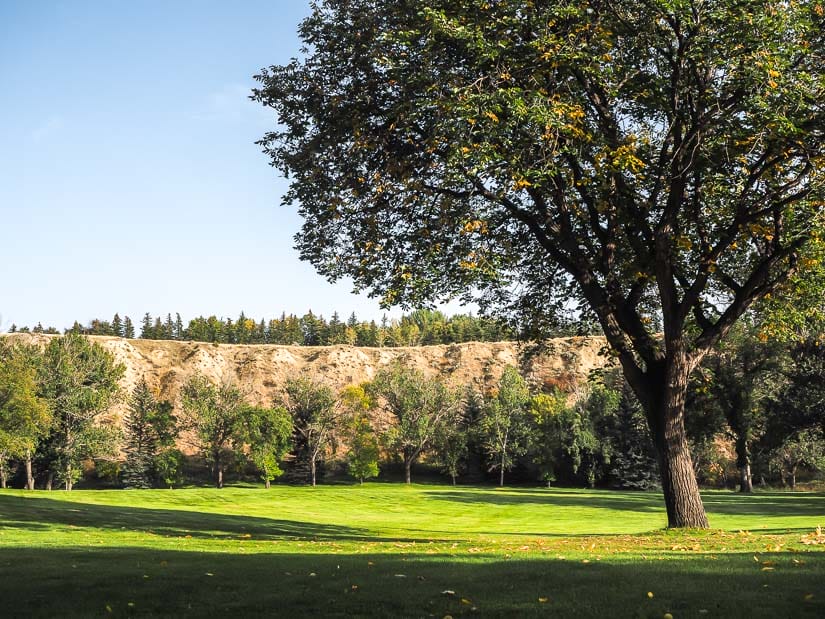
(391, 550)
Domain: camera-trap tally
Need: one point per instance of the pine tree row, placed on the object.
(421, 327)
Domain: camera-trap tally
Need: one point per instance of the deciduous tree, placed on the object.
(268, 432)
(422, 407)
(213, 412)
(79, 380)
(25, 418)
(315, 415)
(657, 165)
(505, 424)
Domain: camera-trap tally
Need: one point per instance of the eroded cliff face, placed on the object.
(261, 370)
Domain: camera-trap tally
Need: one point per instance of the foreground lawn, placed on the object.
(391, 550)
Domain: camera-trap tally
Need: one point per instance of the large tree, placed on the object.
(505, 425)
(25, 418)
(655, 163)
(422, 407)
(214, 414)
(315, 416)
(79, 380)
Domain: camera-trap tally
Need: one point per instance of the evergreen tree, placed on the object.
(117, 326)
(178, 332)
(169, 328)
(146, 331)
(128, 329)
(158, 331)
(150, 429)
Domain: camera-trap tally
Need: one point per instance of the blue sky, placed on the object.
(129, 177)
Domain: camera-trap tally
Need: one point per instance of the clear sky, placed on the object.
(129, 177)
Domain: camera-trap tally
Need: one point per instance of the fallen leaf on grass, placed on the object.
(448, 592)
(544, 600)
(817, 537)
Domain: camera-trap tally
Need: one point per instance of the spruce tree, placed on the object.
(150, 429)
(178, 332)
(128, 329)
(117, 326)
(146, 331)
(140, 442)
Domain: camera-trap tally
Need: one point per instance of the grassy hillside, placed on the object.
(391, 550)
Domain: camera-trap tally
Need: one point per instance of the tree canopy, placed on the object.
(656, 164)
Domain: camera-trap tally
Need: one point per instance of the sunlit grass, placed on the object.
(385, 549)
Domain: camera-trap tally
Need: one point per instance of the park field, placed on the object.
(418, 551)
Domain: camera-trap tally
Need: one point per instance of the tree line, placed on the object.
(420, 327)
(756, 406)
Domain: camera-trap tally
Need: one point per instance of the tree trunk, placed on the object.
(743, 462)
(793, 478)
(665, 408)
(266, 483)
(49, 480)
(453, 476)
(407, 467)
(220, 475)
(312, 470)
(501, 477)
(745, 479)
(29, 476)
(2, 477)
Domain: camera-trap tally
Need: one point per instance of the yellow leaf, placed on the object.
(544, 600)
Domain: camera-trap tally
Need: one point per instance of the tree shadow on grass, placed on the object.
(114, 581)
(766, 503)
(774, 504)
(42, 514)
(605, 499)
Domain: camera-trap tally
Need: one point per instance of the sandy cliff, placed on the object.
(262, 369)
